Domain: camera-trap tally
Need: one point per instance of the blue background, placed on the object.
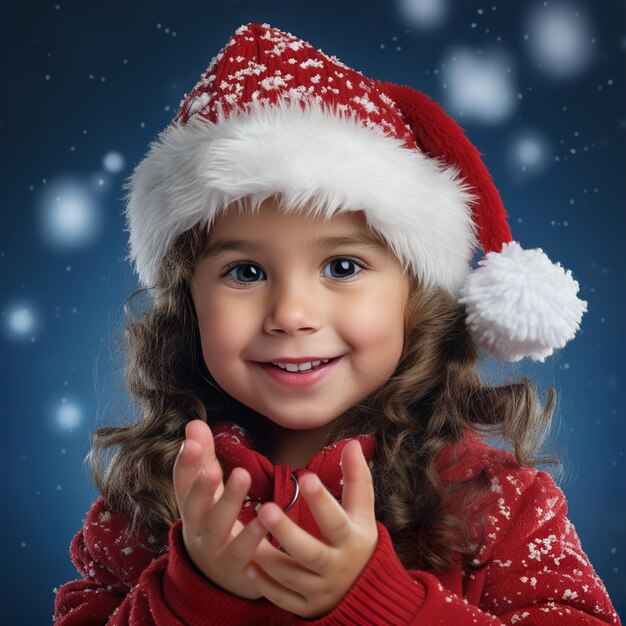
(83, 79)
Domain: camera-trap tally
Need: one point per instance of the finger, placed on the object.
(331, 519)
(185, 470)
(199, 431)
(303, 547)
(288, 572)
(200, 498)
(248, 543)
(222, 516)
(358, 490)
(276, 593)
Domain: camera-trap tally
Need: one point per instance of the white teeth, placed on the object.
(300, 367)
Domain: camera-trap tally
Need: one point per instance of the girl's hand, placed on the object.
(216, 541)
(315, 576)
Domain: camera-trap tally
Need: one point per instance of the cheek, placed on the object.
(222, 335)
(378, 322)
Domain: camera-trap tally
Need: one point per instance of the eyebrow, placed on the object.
(220, 246)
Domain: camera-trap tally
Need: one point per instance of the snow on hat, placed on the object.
(273, 116)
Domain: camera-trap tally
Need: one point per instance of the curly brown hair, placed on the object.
(433, 398)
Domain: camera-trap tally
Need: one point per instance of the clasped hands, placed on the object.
(313, 576)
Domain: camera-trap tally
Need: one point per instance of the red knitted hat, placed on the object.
(272, 116)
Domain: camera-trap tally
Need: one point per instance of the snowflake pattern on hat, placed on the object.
(251, 68)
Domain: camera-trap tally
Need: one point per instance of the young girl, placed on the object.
(308, 235)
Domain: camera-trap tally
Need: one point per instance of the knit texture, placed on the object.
(531, 570)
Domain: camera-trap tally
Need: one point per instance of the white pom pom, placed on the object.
(520, 304)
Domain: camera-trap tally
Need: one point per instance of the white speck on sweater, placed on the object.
(496, 487)
(505, 510)
(535, 552)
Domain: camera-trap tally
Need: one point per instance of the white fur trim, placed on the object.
(520, 304)
(316, 159)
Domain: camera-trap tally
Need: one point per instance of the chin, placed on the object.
(288, 422)
(300, 425)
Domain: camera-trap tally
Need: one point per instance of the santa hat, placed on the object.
(273, 116)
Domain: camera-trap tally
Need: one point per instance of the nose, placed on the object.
(292, 310)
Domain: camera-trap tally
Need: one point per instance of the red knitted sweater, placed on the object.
(535, 571)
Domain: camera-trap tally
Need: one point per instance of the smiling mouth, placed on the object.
(294, 367)
(299, 375)
(307, 366)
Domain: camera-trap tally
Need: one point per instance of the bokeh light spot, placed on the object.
(113, 162)
(69, 216)
(423, 14)
(530, 151)
(479, 86)
(560, 40)
(68, 415)
(21, 320)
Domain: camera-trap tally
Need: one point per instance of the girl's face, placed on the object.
(277, 288)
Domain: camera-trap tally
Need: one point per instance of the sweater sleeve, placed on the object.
(126, 581)
(537, 575)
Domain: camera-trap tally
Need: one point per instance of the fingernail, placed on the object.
(182, 447)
